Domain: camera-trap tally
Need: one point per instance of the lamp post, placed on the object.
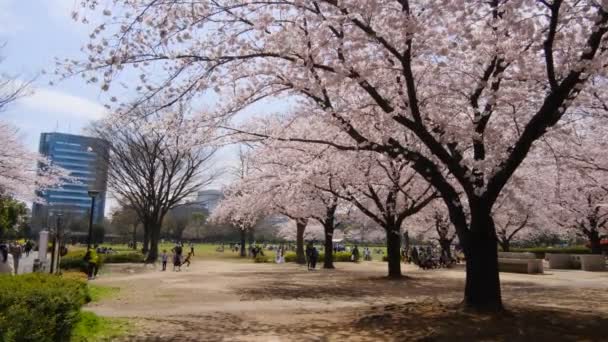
(92, 194)
(59, 244)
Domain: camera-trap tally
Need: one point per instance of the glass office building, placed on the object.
(85, 158)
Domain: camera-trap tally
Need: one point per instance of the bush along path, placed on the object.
(47, 308)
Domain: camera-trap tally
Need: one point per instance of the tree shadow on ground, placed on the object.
(415, 321)
(344, 289)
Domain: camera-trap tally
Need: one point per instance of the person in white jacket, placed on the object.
(7, 265)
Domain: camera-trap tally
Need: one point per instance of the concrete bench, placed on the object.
(592, 262)
(561, 261)
(531, 266)
(586, 262)
(514, 255)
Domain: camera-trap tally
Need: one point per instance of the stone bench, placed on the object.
(561, 261)
(586, 262)
(514, 255)
(592, 262)
(530, 266)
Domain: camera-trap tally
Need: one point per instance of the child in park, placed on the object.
(187, 260)
(163, 258)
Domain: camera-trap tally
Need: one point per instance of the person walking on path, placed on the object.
(28, 248)
(164, 258)
(6, 261)
(315, 257)
(309, 252)
(191, 248)
(16, 250)
(92, 260)
(177, 258)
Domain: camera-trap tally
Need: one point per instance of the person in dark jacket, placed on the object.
(309, 255)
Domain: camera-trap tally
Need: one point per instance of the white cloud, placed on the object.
(48, 100)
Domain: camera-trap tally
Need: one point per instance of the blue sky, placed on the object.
(38, 31)
(35, 32)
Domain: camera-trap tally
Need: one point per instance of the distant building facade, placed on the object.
(85, 158)
(209, 199)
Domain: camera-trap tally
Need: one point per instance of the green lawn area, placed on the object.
(209, 251)
(91, 328)
(98, 292)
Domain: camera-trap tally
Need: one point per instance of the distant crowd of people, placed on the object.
(428, 258)
(11, 253)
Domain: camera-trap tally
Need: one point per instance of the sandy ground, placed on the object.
(227, 301)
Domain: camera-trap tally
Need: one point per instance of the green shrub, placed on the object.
(122, 258)
(75, 260)
(261, 259)
(338, 257)
(39, 307)
(290, 257)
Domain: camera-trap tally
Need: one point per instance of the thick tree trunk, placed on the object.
(505, 245)
(445, 248)
(243, 232)
(250, 238)
(393, 252)
(595, 242)
(328, 258)
(153, 251)
(482, 290)
(146, 245)
(300, 256)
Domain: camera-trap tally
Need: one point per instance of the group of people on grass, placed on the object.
(427, 258)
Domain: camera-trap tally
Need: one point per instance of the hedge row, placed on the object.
(75, 260)
(40, 307)
(338, 257)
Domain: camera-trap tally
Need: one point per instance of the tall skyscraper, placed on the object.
(209, 199)
(85, 158)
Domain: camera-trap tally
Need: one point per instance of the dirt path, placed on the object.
(218, 300)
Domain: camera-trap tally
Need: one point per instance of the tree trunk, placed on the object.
(300, 256)
(505, 245)
(482, 289)
(446, 249)
(135, 236)
(243, 254)
(250, 237)
(328, 259)
(154, 237)
(595, 242)
(393, 252)
(146, 245)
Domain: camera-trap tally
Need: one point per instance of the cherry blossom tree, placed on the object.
(290, 231)
(475, 84)
(581, 201)
(276, 185)
(11, 88)
(384, 189)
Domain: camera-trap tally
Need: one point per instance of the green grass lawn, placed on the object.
(98, 292)
(91, 328)
(209, 251)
